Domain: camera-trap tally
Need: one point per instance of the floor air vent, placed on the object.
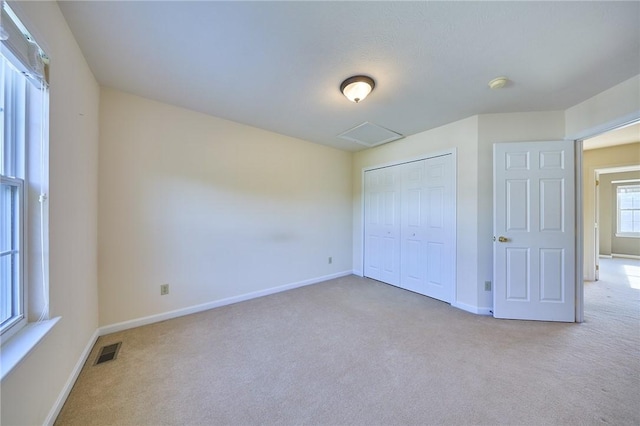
(108, 353)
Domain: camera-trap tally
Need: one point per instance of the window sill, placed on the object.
(14, 350)
(629, 235)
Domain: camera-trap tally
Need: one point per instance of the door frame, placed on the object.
(454, 177)
(579, 223)
(614, 124)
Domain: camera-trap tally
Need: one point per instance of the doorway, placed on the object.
(610, 160)
(615, 296)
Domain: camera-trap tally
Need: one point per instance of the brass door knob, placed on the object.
(503, 239)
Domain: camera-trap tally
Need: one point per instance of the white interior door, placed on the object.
(534, 231)
(382, 225)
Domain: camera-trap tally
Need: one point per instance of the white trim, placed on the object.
(16, 348)
(410, 160)
(358, 272)
(62, 397)
(125, 325)
(605, 170)
(454, 186)
(625, 256)
(626, 181)
(627, 234)
(615, 124)
(605, 256)
(473, 309)
(579, 226)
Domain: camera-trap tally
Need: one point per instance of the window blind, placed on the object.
(22, 46)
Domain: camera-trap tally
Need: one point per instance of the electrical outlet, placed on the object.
(487, 286)
(330, 260)
(164, 289)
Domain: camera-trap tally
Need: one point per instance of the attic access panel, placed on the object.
(370, 135)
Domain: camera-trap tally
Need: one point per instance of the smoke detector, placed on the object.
(498, 83)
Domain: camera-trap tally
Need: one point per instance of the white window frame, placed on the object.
(17, 290)
(23, 133)
(619, 210)
(13, 130)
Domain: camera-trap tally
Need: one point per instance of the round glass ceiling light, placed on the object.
(357, 88)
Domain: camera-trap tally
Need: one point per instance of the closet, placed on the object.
(409, 226)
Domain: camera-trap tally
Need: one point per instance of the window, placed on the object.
(12, 212)
(11, 264)
(23, 177)
(628, 211)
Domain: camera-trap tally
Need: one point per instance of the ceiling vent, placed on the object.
(369, 134)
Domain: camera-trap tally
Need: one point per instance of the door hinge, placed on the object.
(597, 182)
(597, 267)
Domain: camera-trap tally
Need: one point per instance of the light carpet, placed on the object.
(353, 351)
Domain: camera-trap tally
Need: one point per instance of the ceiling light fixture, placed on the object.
(498, 83)
(357, 88)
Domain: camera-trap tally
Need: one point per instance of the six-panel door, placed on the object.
(534, 229)
(410, 206)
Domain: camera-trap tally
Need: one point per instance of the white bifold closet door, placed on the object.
(409, 226)
(382, 224)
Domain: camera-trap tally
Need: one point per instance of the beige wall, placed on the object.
(30, 391)
(617, 156)
(605, 221)
(214, 208)
(611, 108)
(607, 226)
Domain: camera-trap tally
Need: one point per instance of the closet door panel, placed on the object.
(413, 268)
(440, 221)
(373, 222)
(382, 225)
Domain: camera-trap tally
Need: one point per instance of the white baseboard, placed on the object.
(357, 272)
(604, 256)
(125, 325)
(62, 398)
(473, 309)
(625, 256)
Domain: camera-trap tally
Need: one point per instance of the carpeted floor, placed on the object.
(353, 351)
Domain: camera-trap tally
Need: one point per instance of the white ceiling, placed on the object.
(278, 65)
